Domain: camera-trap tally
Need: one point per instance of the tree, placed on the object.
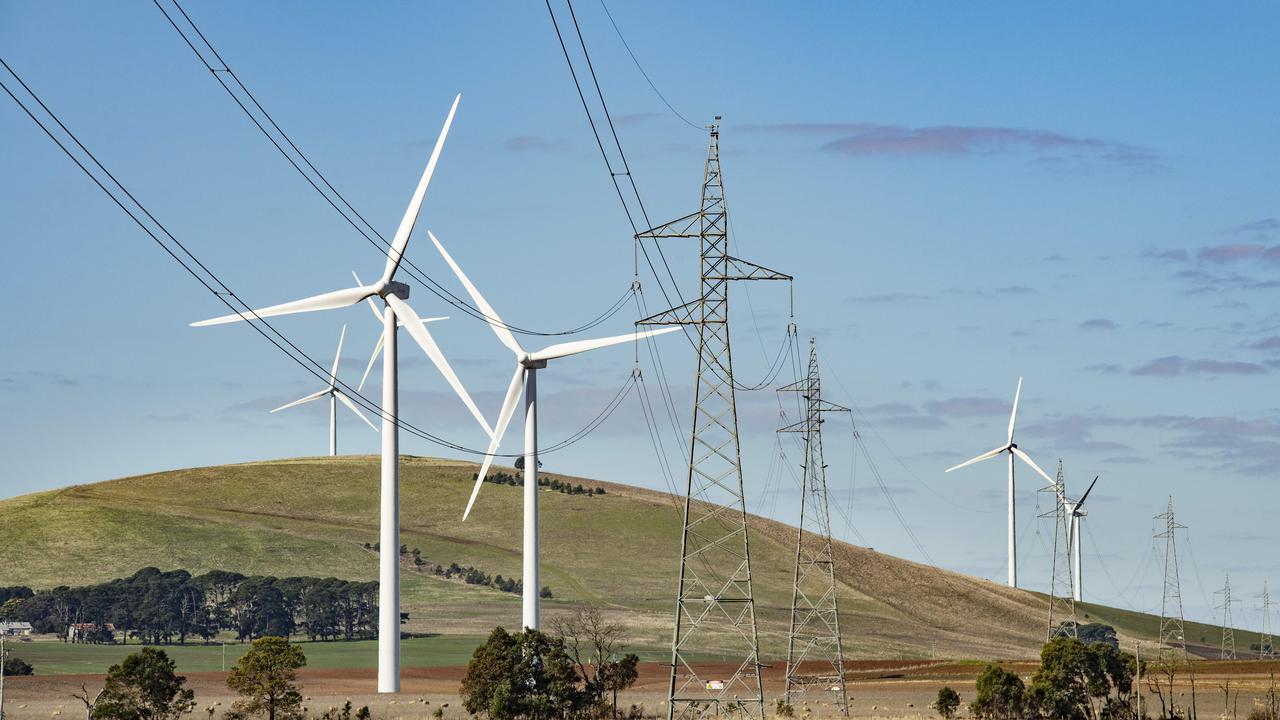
(265, 676)
(999, 695)
(1083, 682)
(144, 686)
(527, 675)
(16, 666)
(593, 645)
(620, 675)
(947, 703)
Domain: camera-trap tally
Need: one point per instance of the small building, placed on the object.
(91, 633)
(16, 629)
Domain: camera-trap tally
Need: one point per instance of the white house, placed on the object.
(15, 629)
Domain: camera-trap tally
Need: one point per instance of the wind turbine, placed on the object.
(526, 374)
(382, 336)
(1075, 511)
(1012, 448)
(393, 295)
(335, 396)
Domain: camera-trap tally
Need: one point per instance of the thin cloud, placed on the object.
(526, 143)
(1176, 365)
(887, 298)
(966, 407)
(870, 139)
(1270, 343)
(1099, 324)
(1106, 368)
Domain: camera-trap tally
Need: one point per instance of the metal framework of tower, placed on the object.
(1266, 648)
(1172, 630)
(715, 605)
(814, 633)
(1062, 604)
(1228, 632)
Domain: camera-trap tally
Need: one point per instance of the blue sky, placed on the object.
(1084, 196)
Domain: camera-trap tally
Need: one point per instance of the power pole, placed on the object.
(1062, 604)
(1228, 632)
(1267, 650)
(1172, 626)
(815, 618)
(715, 605)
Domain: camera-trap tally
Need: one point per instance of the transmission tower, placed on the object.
(715, 607)
(1266, 650)
(1228, 631)
(1062, 604)
(815, 621)
(1172, 632)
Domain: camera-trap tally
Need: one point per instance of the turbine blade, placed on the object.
(401, 240)
(313, 396)
(1086, 493)
(581, 346)
(495, 322)
(1027, 459)
(333, 374)
(984, 456)
(418, 330)
(504, 417)
(1013, 416)
(326, 301)
(377, 350)
(373, 307)
(342, 397)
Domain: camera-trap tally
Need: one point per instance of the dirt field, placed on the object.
(877, 688)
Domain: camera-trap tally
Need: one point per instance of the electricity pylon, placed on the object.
(1266, 649)
(715, 605)
(1228, 632)
(1172, 631)
(815, 618)
(1062, 604)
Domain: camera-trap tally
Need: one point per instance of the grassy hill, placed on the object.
(312, 516)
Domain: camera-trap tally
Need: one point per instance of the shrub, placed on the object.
(947, 703)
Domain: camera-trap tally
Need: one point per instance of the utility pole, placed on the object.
(1267, 650)
(1172, 623)
(1062, 604)
(2, 657)
(815, 618)
(1137, 678)
(715, 604)
(1228, 632)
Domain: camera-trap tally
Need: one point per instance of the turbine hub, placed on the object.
(532, 364)
(393, 287)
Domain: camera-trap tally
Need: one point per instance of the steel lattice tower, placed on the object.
(1062, 604)
(1267, 650)
(715, 606)
(1228, 632)
(815, 620)
(1172, 632)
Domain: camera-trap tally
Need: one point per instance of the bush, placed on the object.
(947, 703)
(17, 666)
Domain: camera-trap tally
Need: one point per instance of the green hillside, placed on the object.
(312, 516)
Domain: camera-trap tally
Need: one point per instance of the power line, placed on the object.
(656, 91)
(350, 214)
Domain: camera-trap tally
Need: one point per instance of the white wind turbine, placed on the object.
(1012, 448)
(335, 396)
(393, 295)
(527, 366)
(1075, 511)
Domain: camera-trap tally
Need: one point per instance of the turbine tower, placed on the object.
(1062, 606)
(1228, 651)
(715, 603)
(1012, 448)
(335, 396)
(393, 295)
(815, 617)
(1076, 514)
(527, 366)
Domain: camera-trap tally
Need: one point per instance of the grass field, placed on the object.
(619, 551)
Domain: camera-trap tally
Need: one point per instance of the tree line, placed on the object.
(560, 486)
(161, 607)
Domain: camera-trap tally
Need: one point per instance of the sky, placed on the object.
(1081, 196)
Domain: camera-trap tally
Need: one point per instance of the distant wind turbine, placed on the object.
(527, 365)
(393, 295)
(335, 396)
(1012, 448)
(1075, 512)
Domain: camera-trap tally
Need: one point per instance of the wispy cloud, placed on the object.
(1174, 365)
(1099, 324)
(865, 139)
(526, 143)
(887, 298)
(967, 407)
